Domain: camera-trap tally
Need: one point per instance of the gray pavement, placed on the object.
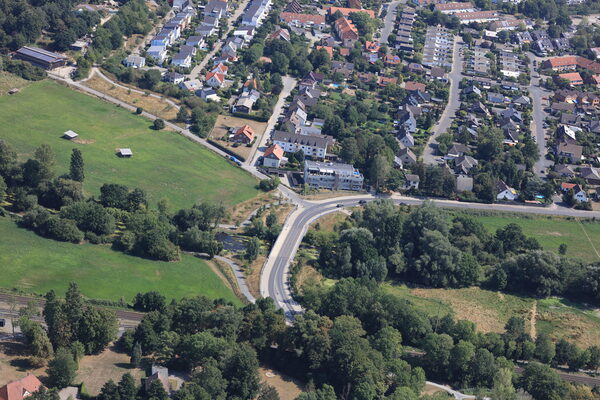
(455, 76)
(289, 84)
(537, 123)
(389, 21)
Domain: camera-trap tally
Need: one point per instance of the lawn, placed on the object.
(35, 264)
(581, 237)
(164, 163)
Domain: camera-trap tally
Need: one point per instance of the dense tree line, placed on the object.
(424, 246)
(158, 234)
(24, 21)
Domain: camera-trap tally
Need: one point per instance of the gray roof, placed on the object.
(307, 140)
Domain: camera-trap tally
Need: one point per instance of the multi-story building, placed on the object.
(314, 146)
(333, 176)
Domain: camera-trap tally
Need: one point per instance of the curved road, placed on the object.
(274, 281)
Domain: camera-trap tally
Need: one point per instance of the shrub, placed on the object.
(139, 110)
(158, 124)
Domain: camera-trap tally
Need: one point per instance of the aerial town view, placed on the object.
(299, 199)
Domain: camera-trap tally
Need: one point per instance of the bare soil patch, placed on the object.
(83, 141)
(148, 103)
(14, 362)
(287, 387)
(95, 371)
(224, 123)
(241, 211)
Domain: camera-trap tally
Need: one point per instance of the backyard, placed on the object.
(164, 163)
(35, 265)
(225, 123)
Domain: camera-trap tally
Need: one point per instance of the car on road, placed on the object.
(362, 202)
(339, 205)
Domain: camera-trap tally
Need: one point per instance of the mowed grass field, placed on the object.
(36, 265)
(581, 237)
(164, 163)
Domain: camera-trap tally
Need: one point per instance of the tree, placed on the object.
(45, 156)
(324, 393)
(182, 115)
(241, 372)
(379, 170)
(252, 249)
(59, 330)
(542, 382)
(45, 394)
(76, 168)
(438, 349)
(156, 391)
(545, 349)
(139, 110)
(267, 392)
(127, 387)
(461, 357)
(136, 355)
(503, 388)
(151, 78)
(483, 368)
(8, 159)
(36, 338)
(3, 188)
(109, 391)
(266, 185)
(158, 124)
(62, 369)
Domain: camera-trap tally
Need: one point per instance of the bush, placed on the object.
(158, 124)
(139, 110)
(63, 230)
(266, 185)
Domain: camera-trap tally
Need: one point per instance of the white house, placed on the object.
(412, 181)
(134, 61)
(273, 156)
(311, 145)
(159, 53)
(505, 192)
(191, 85)
(215, 79)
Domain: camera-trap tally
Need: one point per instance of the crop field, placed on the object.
(164, 163)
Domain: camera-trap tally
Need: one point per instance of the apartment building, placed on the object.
(333, 176)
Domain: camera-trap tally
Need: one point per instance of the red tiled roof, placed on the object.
(347, 11)
(413, 86)
(17, 390)
(372, 46)
(245, 130)
(566, 61)
(220, 77)
(344, 52)
(345, 29)
(328, 49)
(275, 150)
(573, 77)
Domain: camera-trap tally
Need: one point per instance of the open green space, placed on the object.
(165, 164)
(581, 237)
(35, 264)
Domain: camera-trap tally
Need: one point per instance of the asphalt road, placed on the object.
(452, 106)
(289, 84)
(274, 280)
(537, 123)
(389, 20)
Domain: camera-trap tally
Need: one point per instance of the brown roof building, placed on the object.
(18, 390)
(347, 11)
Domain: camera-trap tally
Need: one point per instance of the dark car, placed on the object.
(339, 205)
(362, 202)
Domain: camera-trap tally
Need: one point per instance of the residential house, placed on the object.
(570, 150)
(209, 94)
(273, 156)
(411, 86)
(184, 57)
(216, 8)
(246, 101)
(244, 134)
(407, 157)
(565, 171)
(464, 164)
(306, 21)
(246, 33)
(191, 85)
(256, 12)
(590, 175)
(282, 34)
(21, 388)
(159, 53)
(347, 11)
(411, 181)
(521, 100)
(406, 119)
(214, 79)
(454, 7)
(346, 31)
(477, 16)
(333, 176)
(496, 98)
(573, 77)
(505, 192)
(457, 150)
(196, 41)
(406, 139)
(173, 77)
(134, 61)
(160, 374)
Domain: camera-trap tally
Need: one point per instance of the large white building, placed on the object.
(314, 146)
(333, 176)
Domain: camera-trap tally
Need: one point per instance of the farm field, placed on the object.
(164, 163)
(36, 265)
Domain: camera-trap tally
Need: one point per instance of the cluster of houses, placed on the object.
(404, 26)
(464, 11)
(168, 36)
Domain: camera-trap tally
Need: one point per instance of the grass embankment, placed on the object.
(165, 164)
(35, 265)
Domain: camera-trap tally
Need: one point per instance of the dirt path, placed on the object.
(533, 332)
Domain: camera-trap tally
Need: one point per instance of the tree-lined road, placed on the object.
(455, 76)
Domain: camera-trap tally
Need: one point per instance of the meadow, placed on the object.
(164, 163)
(36, 265)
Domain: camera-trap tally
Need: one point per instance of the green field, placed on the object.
(35, 264)
(164, 163)
(582, 238)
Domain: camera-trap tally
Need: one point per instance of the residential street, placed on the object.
(537, 123)
(453, 105)
(289, 84)
(389, 20)
(195, 72)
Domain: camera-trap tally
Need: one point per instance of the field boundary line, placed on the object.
(588, 238)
